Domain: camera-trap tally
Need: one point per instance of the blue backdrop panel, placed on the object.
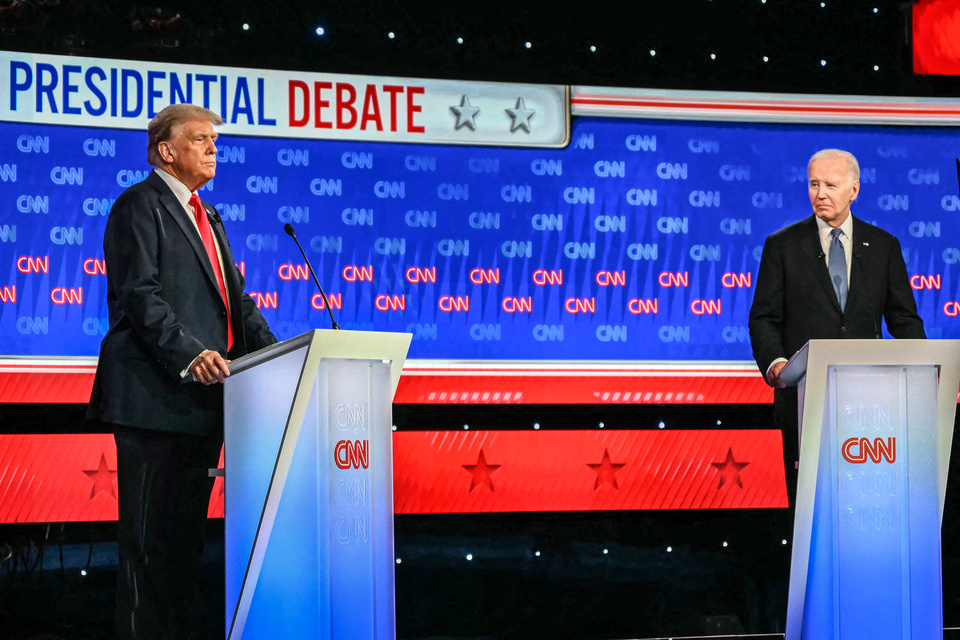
(641, 240)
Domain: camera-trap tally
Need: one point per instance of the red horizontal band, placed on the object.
(65, 478)
(834, 108)
(45, 387)
(72, 477)
(510, 471)
(548, 388)
(65, 382)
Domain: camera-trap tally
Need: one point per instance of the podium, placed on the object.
(876, 420)
(309, 487)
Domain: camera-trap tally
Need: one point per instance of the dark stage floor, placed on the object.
(600, 576)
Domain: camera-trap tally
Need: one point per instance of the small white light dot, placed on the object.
(823, 4)
(713, 56)
(466, 427)
(766, 59)
(393, 428)
(459, 40)
(398, 560)
(875, 10)
(784, 541)
(763, 1)
(246, 27)
(719, 423)
(669, 549)
(536, 425)
(391, 35)
(823, 63)
(593, 48)
(653, 52)
(83, 572)
(606, 551)
(536, 553)
(469, 557)
(876, 67)
(321, 31)
(661, 425)
(600, 425)
(725, 543)
(528, 45)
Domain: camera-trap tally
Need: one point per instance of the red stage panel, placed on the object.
(49, 385)
(58, 478)
(503, 471)
(65, 478)
(581, 387)
(72, 477)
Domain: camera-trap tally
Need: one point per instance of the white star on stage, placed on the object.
(466, 114)
(521, 116)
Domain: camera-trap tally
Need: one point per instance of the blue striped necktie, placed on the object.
(838, 268)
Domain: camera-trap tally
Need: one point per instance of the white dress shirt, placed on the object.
(846, 239)
(183, 195)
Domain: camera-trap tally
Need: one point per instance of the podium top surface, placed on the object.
(341, 344)
(870, 353)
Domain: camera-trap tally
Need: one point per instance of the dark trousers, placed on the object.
(785, 417)
(164, 490)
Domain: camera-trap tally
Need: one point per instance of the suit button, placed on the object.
(843, 330)
(223, 314)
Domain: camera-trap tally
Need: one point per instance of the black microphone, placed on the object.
(873, 315)
(289, 229)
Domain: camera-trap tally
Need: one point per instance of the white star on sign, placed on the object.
(521, 116)
(466, 114)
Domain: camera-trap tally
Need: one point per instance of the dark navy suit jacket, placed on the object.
(794, 300)
(165, 309)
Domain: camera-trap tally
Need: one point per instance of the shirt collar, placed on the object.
(180, 190)
(846, 227)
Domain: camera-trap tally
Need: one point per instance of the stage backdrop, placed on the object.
(603, 239)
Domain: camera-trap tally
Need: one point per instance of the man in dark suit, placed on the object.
(178, 313)
(830, 275)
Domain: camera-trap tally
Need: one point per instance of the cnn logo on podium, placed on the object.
(352, 453)
(858, 450)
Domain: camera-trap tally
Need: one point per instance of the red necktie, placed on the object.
(206, 234)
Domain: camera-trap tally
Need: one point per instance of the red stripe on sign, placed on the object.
(72, 477)
(512, 471)
(472, 385)
(546, 388)
(783, 107)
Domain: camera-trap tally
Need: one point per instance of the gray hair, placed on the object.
(853, 167)
(161, 127)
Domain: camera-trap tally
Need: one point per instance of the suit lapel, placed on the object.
(862, 235)
(810, 243)
(181, 217)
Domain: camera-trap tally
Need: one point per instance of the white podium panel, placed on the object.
(309, 488)
(876, 504)
(876, 431)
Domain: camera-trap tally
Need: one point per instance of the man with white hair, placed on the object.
(830, 275)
